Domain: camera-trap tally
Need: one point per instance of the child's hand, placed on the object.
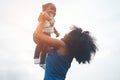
(57, 34)
(51, 23)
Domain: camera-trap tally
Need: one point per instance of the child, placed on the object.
(47, 17)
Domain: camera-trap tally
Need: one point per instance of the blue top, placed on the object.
(57, 66)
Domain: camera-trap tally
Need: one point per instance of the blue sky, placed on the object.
(18, 20)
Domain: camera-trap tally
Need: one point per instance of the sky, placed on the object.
(18, 20)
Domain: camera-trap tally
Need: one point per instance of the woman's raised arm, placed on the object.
(41, 37)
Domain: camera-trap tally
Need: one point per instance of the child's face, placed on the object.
(51, 10)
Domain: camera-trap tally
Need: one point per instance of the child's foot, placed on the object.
(36, 61)
(42, 65)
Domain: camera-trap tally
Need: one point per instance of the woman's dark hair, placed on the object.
(80, 45)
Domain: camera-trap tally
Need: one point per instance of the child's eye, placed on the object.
(52, 8)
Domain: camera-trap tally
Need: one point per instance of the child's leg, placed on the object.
(37, 51)
(43, 55)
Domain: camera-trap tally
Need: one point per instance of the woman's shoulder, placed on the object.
(58, 46)
(62, 49)
(56, 52)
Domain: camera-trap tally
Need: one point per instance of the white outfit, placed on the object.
(47, 26)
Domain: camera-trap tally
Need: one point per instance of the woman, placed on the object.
(76, 44)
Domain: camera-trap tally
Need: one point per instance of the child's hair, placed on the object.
(80, 45)
(45, 6)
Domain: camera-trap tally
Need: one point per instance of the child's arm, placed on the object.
(56, 32)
